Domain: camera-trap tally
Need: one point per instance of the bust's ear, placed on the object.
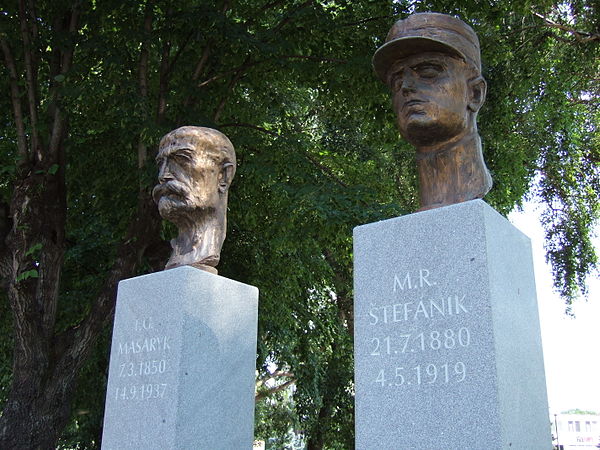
(477, 89)
(225, 177)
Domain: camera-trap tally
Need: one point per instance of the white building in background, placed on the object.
(576, 431)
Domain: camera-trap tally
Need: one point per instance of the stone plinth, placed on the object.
(447, 337)
(182, 366)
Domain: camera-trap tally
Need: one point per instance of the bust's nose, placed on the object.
(164, 174)
(408, 83)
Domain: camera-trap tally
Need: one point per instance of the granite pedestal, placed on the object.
(447, 338)
(182, 366)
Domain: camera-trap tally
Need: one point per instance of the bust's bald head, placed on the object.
(195, 168)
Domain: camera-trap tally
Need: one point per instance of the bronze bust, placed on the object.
(195, 169)
(432, 64)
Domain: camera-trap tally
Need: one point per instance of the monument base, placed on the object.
(182, 365)
(447, 338)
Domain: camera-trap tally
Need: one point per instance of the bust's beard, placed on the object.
(177, 205)
(201, 231)
(184, 213)
(173, 208)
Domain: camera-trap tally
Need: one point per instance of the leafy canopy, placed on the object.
(291, 84)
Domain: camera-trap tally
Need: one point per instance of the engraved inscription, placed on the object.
(434, 340)
(143, 324)
(403, 329)
(141, 391)
(144, 345)
(445, 373)
(142, 360)
(412, 311)
(143, 368)
(415, 280)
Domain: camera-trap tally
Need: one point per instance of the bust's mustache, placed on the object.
(169, 188)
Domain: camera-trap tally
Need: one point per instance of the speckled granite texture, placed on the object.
(182, 363)
(446, 331)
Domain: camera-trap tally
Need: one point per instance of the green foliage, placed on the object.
(27, 274)
(291, 84)
(276, 420)
(539, 124)
(83, 431)
(579, 411)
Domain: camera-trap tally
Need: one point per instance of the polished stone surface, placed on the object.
(447, 338)
(182, 365)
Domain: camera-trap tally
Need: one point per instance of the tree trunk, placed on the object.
(315, 442)
(45, 364)
(35, 247)
(34, 415)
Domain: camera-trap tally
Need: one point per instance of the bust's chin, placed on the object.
(422, 131)
(174, 209)
(185, 212)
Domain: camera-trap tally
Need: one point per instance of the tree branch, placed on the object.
(54, 64)
(370, 19)
(143, 231)
(314, 58)
(15, 97)
(268, 6)
(241, 71)
(197, 72)
(245, 66)
(342, 279)
(262, 9)
(207, 50)
(256, 63)
(143, 64)
(276, 374)
(211, 79)
(249, 125)
(310, 158)
(31, 77)
(325, 169)
(201, 63)
(163, 81)
(289, 14)
(590, 102)
(581, 36)
(35, 35)
(261, 396)
(142, 151)
(34, 17)
(236, 78)
(58, 127)
(179, 51)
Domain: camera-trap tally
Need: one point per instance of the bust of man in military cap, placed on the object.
(195, 169)
(432, 64)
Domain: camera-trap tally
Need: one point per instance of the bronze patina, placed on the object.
(432, 64)
(195, 169)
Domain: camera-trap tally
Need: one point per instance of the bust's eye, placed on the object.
(181, 158)
(429, 70)
(396, 81)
